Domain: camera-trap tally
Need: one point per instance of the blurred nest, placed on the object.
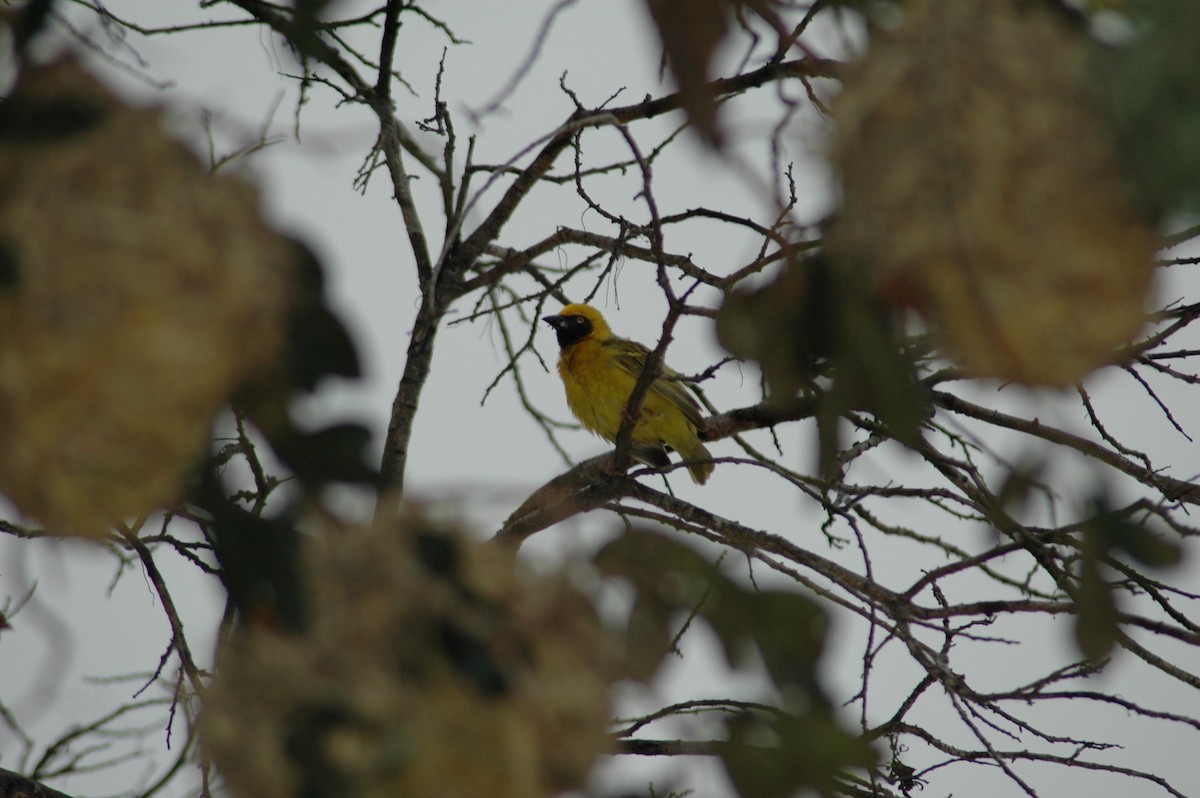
(981, 187)
(432, 666)
(138, 292)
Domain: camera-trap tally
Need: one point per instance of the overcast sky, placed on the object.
(483, 460)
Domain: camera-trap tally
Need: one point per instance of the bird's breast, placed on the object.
(597, 388)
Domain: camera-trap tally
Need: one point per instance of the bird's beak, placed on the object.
(553, 321)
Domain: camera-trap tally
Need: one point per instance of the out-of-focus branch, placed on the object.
(14, 785)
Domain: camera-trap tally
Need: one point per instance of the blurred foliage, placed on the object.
(405, 659)
(775, 756)
(1106, 536)
(692, 32)
(142, 292)
(316, 347)
(318, 343)
(259, 556)
(817, 321)
(29, 21)
(429, 666)
(44, 120)
(767, 754)
(1148, 86)
(977, 190)
(259, 559)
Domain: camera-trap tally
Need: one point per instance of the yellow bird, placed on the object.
(599, 371)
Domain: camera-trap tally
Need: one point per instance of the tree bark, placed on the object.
(14, 785)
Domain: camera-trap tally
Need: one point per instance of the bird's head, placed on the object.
(577, 322)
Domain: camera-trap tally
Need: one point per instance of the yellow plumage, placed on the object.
(599, 371)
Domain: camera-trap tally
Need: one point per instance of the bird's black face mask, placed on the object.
(570, 329)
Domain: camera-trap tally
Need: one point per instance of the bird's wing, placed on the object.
(631, 357)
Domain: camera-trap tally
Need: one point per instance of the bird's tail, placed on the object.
(695, 450)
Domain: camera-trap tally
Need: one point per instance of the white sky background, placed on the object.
(484, 460)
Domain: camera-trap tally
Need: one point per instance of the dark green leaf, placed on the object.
(872, 372)
(779, 755)
(1108, 534)
(647, 636)
(40, 120)
(754, 758)
(787, 326)
(657, 564)
(790, 632)
(311, 732)
(670, 580)
(472, 657)
(815, 321)
(1149, 548)
(1096, 622)
(335, 454)
(10, 266)
(260, 561)
(1148, 87)
(318, 344)
(1020, 482)
(30, 22)
(785, 630)
(1113, 532)
(691, 31)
